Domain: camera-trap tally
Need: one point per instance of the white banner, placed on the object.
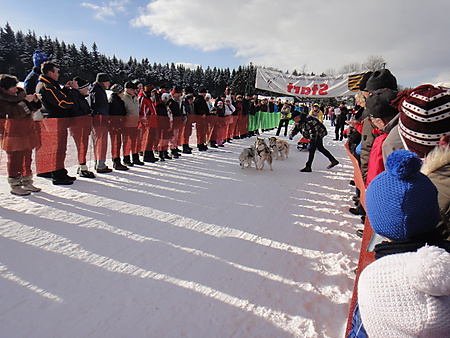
(307, 86)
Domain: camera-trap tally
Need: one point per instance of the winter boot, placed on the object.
(166, 155)
(16, 186)
(174, 153)
(127, 161)
(161, 156)
(137, 160)
(186, 149)
(84, 172)
(27, 184)
(149, 156)
(46, 175)
(117, 165)
(213, 144)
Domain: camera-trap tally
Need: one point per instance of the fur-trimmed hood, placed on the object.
(437, 158)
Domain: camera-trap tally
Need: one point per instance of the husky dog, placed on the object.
(279, 147)
(264, 153)
(248, 156)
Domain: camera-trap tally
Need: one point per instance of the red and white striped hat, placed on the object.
(424, 118)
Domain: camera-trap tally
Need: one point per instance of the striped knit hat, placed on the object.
(424, 117)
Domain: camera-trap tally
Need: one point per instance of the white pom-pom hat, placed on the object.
(407, 295)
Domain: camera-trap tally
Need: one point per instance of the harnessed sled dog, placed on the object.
(264, 153)
(248, 156)
(279, 147)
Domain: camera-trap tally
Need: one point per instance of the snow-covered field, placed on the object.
(192, 247)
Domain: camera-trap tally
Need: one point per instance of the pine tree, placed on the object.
(9, 54)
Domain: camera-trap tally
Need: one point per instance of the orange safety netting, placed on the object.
(365, 257)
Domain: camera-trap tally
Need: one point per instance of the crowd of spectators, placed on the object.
(400, 141)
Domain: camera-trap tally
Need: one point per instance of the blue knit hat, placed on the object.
(39, 58)
(401, 201)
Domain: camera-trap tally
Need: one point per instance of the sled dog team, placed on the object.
(260, 153)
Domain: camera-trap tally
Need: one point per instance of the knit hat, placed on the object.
(116, 88)
(381, 79)
(424, 117)
(130, 85)
(363, 82)
(165, 97)
(294, 114)
(39, 58)
(378, 104)
(407, 295)
(401, 201)
(103, 77)
(82, 83)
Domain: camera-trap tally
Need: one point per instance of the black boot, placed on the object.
(175, 153)
(136, 159)
(149, 156)
(186, 149)
(161, 156)
(213, 144)
(166, 155)
(127, 161)
(117, 165)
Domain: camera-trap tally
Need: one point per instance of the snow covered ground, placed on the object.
(192, 247)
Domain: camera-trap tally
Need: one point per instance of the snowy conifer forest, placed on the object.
(16, 50)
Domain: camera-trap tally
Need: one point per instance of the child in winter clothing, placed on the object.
(406, 291)
(18, 135)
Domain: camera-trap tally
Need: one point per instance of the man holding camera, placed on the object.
(57, 103)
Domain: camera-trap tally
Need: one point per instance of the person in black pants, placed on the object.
(313, 130)
(341, 116)
(285, 117)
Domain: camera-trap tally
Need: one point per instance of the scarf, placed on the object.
(410, 245)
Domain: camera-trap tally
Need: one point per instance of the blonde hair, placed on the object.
(360, 99)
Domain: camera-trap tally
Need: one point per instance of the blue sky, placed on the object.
(78, 21)
(319, 36)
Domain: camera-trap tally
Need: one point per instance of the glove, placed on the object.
(291, 137)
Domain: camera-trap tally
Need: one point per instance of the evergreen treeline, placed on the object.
(17, 48)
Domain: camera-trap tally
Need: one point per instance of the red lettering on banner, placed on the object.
(289, 87)
(307, 90)
(323, 89)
